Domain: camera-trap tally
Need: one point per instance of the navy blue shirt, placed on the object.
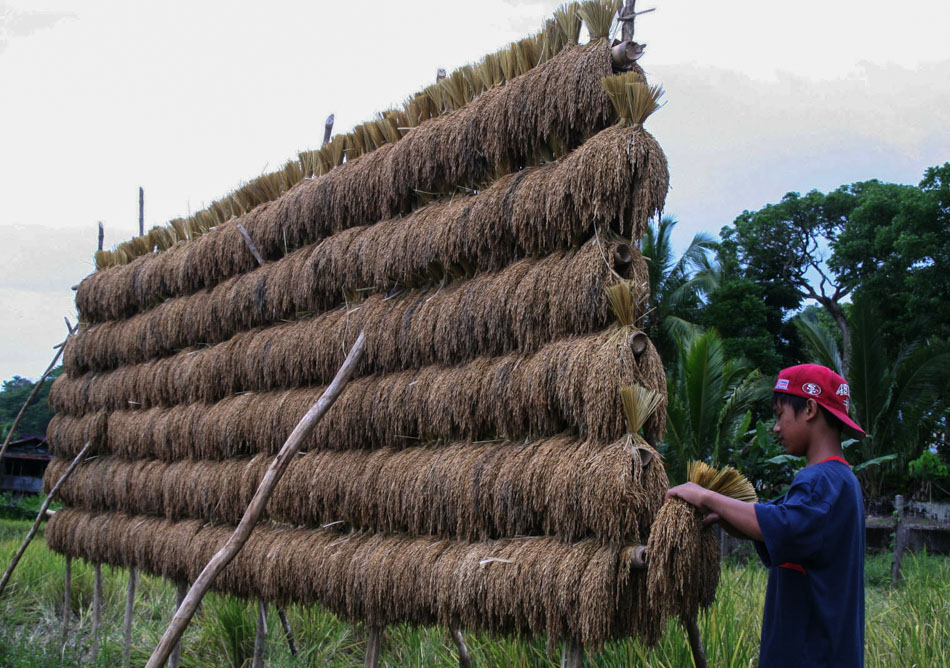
(814, 548)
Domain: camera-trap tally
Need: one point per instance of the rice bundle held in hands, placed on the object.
(683, 570)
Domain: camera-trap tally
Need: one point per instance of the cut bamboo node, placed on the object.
(637, 556)
(623, 256)
(625, 54)
(638, 343)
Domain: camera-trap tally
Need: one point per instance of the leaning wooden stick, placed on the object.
(42, 514)
(36, 390)
(291, 642)
(465, 660)
(254, 510)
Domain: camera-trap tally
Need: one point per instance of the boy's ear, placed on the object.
(811, 408)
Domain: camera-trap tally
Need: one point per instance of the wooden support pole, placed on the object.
(102, 234)
(374, 646)
(42, 514)
(439, 74)
(127, 623)
(327, 130)
(36, 390)
(250, 244)
(141, 212)
(572, 654)
(68, 597)
(638, 343)
(465, 660)
(96, 612)
(900, 539)
(288, 630)
(696, 644)
(260, 637)
(175, 659)
(254, 510)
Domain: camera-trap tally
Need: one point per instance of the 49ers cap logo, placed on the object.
(814, 389)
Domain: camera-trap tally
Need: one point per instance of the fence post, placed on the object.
(900, 540)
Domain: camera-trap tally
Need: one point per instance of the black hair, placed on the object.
(798, 403)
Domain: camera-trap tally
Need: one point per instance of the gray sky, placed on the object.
(190, 99)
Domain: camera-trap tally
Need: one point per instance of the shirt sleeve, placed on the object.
(793, 530)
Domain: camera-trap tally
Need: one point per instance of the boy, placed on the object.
(812, 538)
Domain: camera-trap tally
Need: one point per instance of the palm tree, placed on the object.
(899, 399)
(676, 285)
(710, 397)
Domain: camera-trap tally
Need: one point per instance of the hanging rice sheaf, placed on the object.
(536, 584)
(492, 463)
(558, 486)
(684, 556)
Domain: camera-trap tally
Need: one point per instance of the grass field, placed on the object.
(907, 625)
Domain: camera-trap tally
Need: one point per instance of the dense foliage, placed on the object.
(12, 397)
(856, 279)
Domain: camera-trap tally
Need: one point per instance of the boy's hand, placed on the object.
(691, 493)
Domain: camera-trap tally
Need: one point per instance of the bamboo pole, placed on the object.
(175, 658)
(254, 510)
(36, 390)
(465, 660)
(695, 643)
(327, 130)
(141, 212)
(572, 654)
(127, 622)
(102, 234)
(42, 514)
(260, 637)
(288, 630)
(96, 611)
(68, 597)
(374, 647)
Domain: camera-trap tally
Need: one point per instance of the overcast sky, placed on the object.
(190, 99)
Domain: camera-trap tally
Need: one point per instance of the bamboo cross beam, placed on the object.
(36, 390)
(254, 510)
(42, 514)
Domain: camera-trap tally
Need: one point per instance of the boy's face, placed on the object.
(792, 430)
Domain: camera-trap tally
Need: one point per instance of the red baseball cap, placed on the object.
(828, 389)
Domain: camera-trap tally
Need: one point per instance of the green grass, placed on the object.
(906, 625)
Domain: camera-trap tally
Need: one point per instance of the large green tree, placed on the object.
(883, 240)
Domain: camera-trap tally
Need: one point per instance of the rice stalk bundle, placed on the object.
(598, 16)
(528, 53)
(683, 569)
(444, 324)
(568, 22)
(570, 383)
(633, 100)
(500, 127)
(527, 586)
(557, 486)
(616, 180)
